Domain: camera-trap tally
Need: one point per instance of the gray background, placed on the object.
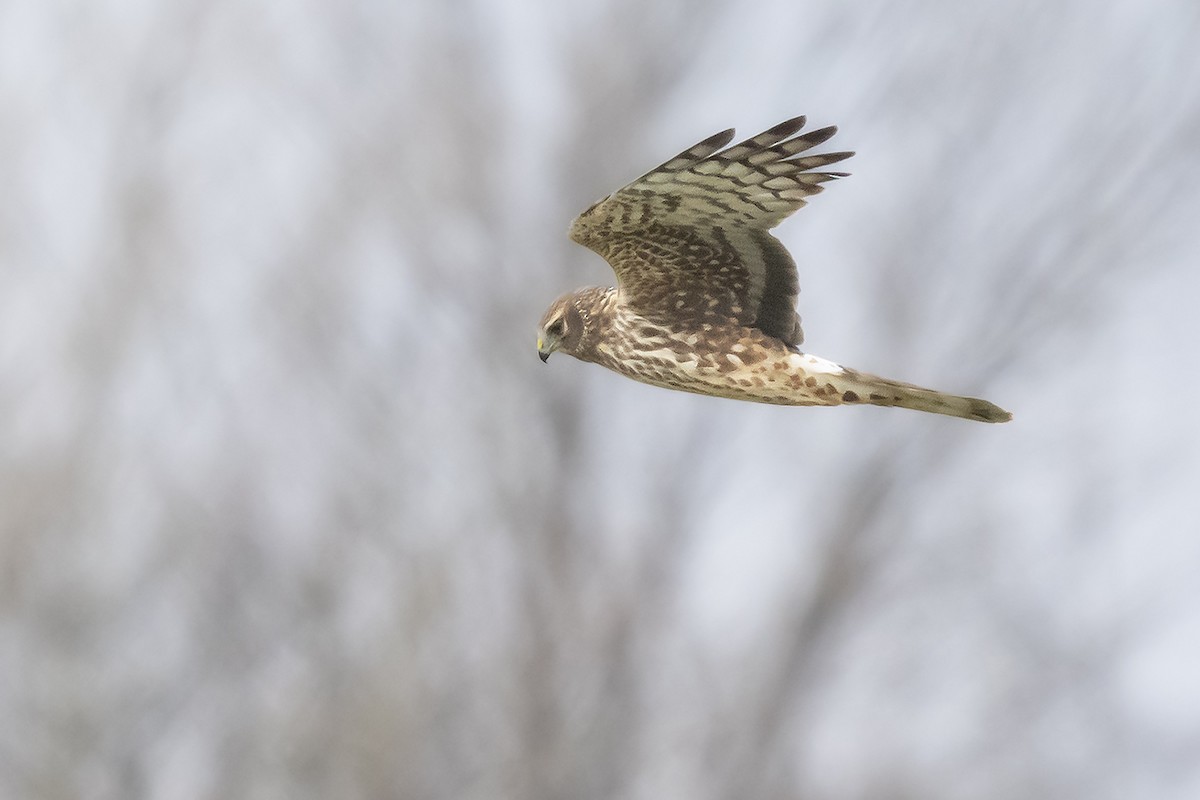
(290, 509)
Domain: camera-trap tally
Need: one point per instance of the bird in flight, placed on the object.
(705, 296)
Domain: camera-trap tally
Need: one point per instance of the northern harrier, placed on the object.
(705, 296)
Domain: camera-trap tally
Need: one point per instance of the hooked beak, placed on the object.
(544, 350)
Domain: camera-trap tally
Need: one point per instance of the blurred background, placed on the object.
(290, 509)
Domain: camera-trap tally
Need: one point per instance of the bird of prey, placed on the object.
(705, 296)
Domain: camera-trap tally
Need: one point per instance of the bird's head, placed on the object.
(564, 326)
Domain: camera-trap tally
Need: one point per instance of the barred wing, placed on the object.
(689, 239)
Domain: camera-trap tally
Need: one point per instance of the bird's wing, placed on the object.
(689, 239)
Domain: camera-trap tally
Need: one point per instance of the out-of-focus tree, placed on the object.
(290, 508)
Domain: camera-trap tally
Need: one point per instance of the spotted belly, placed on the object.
(746, 370)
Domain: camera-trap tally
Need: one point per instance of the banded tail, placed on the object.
(860, 387)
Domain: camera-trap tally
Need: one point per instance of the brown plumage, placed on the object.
(705, 297)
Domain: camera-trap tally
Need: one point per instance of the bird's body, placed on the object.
(705, 301)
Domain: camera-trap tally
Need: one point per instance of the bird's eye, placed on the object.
(555, 328)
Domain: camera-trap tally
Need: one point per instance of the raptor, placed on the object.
(705, 296)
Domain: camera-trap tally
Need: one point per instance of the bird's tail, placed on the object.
(871, 389)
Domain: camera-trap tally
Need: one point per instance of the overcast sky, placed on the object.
(290, 508)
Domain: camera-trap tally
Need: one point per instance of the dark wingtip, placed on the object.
(788, 126)
(718, 140)
(820, 134)
(832, 158)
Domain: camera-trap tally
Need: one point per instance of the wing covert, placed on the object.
(691, 236)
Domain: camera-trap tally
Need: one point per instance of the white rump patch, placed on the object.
(811, 363)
